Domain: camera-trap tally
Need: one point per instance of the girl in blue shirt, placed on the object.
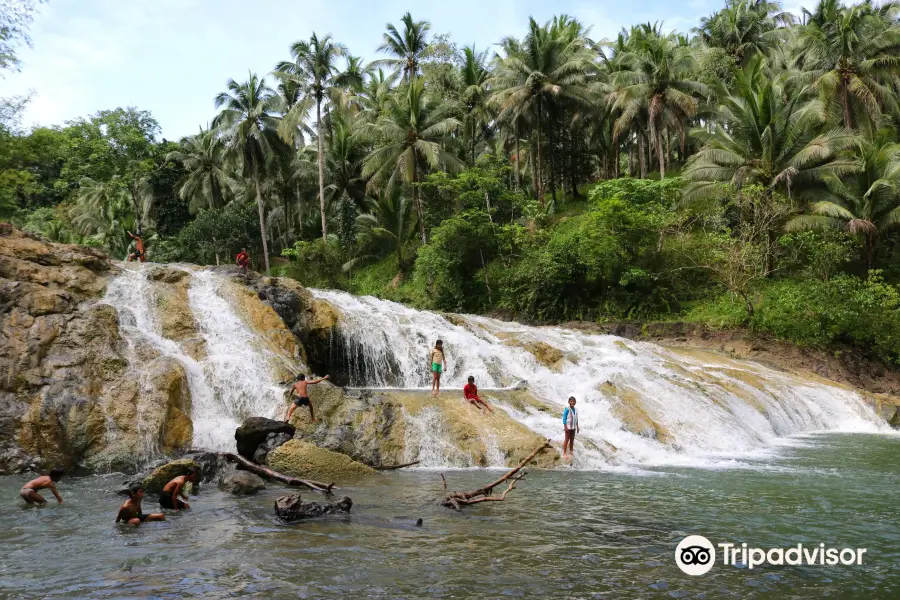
(570, 426)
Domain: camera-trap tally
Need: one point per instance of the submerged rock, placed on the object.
(292, 508)
(156, 481)
(306, 461)
(254, 432)
(242, 483)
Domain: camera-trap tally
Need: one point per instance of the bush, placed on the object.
(844, 309)
(316, 264)
(639, 191)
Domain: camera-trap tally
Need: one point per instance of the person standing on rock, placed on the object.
(46, 482)
(139, 251)
(570, 426)
(243, 261)
(169, 496)
(470, 392)
(436, 364)
(130, 511)
(300, 390)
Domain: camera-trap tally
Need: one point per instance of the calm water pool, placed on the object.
(562, 534)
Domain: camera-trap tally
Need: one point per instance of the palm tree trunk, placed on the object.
(517, 154)
(661, 155)
(262, 219)
(540, 159)
(845, 103)
(870, 251)
(321, 170)
(416, 201)
(641, 156)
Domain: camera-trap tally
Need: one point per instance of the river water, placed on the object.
(561, 534)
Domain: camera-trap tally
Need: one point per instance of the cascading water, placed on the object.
(237, 366)
(134, 298)
(712, 409)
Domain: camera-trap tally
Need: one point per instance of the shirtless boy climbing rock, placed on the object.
(300, 390)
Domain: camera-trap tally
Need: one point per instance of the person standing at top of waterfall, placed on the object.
(570, 426)
(46, 482)
(470, 392)
(243, 261)
(300, 389)
(139, 251)
(437, 363)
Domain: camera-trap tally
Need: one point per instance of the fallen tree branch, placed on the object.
(394, 467)
(262, 471)
(445, 481)
(457, 500)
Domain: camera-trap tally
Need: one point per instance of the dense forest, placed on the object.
(745, 173)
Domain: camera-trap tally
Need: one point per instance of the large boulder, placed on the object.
(156, 481)
(254, 432)
(306, 461)
(292, 508)
(242, 483)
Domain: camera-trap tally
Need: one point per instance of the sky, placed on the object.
(171, 57)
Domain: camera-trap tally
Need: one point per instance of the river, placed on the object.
(561, 534)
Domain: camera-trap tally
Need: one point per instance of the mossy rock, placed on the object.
(304, 460)
(157, 480)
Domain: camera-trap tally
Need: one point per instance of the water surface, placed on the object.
(562, 534)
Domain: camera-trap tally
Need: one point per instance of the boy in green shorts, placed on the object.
(437, 363)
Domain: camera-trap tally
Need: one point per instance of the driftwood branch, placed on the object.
(394, 467)
(268, 473)
(457, 500)
(444, 479)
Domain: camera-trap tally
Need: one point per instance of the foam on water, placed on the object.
(713, 408)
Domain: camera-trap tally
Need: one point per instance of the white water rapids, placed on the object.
(711, 410)
(689, 396)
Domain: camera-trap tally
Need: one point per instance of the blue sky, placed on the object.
(172, 57)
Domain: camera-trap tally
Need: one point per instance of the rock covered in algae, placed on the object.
(292, 508)
(304, 460)
(242, 483)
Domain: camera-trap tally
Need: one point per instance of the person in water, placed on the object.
(139, 251)
(130, 512)
(300, 390)
(570, 426)
(46, 482)
(437, 363)
(470, 392)
(243, 261)
(169, 496)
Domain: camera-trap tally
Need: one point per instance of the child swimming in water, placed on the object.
(130, 511)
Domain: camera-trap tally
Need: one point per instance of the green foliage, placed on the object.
(663, 192)
(316, 264)
(214, 233)
(844, 309)
(450, 266)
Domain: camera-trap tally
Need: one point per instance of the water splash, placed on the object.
(699, 408)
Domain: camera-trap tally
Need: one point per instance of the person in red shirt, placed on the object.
(471, 394)
(243, 260)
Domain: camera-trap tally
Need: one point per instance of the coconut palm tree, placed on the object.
(744, 28)
(655, 85)
(344, 156)
(406, 47)
(410, 137)
(388, 226)
(767, 137)
(208, 182)
(867, 203)
(313, 69)
(546, 68)
(249, 121)
(104, 212)
(473, 78)
(851, 56)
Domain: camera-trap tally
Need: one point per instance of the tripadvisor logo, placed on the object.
(696, 555)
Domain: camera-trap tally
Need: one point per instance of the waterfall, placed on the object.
(703, 409)
(238, 367)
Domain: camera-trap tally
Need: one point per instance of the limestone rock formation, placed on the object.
(306, 461)
(254, 432)
(242, 483)
(291, 508)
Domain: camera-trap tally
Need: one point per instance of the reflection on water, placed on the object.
(561, 534)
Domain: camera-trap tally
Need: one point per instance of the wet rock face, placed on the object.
(304, 460)
(156, 481)
(254, 432)
(242, 483)
(273, 441)
(291, 508)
